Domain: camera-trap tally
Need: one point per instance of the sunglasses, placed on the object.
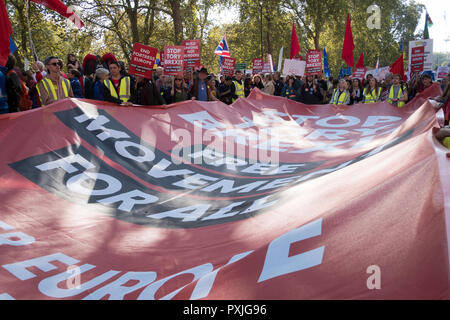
(178, 79)
(55, 64)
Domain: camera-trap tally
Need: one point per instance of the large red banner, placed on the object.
(266, 199)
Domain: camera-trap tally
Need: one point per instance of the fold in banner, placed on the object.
(264, 199)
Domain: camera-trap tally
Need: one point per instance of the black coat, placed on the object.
(307, 95)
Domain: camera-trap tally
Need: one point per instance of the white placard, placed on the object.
(428, 44)
(295, 67)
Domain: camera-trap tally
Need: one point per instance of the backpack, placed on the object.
(25, 102)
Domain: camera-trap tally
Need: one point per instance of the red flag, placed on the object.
(398, 68)
(62, 9)
(295, 46)
(360, 63)
(347, 49)
(5, 26)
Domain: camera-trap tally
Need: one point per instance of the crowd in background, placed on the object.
(106, 79)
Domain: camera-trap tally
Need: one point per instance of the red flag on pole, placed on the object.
(398, 68)
(295, 46)
(62, 9)
(5, 26)
(360, 63)
(349, 46)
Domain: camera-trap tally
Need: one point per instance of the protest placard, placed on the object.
(192, 53)
(313, 62)
(142, 60)
(294, 67)
(228, 66)
(173, 60)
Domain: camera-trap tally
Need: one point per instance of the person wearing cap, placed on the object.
(53, 86)
(199, 89)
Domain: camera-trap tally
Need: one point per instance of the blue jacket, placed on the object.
(76, 88)
(98, 91)
(3, 96)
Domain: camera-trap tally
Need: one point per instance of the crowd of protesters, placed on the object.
(106, 79)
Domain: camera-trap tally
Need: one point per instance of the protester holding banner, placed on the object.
(269, 86)
(426, 82)
(53, 86)
(310, 92)
(3, 97)
(237, 87)
(257, 82)
(357, 92)
(224, 91)
(73, 76)
(248, 85)
(147, 93)
(178, 92)
(398, 95)
(278, 83)
(199, 89)
(289, 89)
(386, 86)
(119, 89)
(101, 74)
(372, 92)
(341, 96)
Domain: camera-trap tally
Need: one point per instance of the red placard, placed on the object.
(228, 66)
(173, 60)
(417, 59)
(192, 53)
(359, 73)
(142, 60)
(313, 62)
(258, 65)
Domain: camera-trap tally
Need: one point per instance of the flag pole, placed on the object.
(32, 48)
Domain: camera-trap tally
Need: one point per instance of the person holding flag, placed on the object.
(222, 50)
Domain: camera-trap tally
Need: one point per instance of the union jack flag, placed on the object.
(222, 48)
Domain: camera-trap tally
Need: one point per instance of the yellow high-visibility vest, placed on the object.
(239, 89)
(342, 99)
(124, 90)
(50, 88)
(399, 94)
(369, 97)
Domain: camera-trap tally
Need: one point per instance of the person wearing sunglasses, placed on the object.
(178, 92)
(53, 86)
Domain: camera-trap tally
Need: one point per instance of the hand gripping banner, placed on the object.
(264, 199)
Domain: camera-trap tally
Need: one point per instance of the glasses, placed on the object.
(178, 79)
(55, 64)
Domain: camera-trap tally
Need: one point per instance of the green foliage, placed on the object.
(115, 25)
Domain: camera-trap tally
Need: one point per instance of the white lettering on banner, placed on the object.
(130, 199)
(224, 212)
(122, 149)
(203, 120)
(278, 261)
(328, 134)
(374, 120)
(227, 186)
(49, 286)
(19, 269)
(197, 211)
(16, 239)
(66, 164)
(117, 290)
(351, 121)
(194, 182)
(77, 184)
(5, 226)
(97, 124)
(5, 296)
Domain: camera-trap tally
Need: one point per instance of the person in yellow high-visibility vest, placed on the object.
(237, 86)
(443, 135)
(341, 94)
(372, 93)
(119, 88)
(53, 86)
(398, 95)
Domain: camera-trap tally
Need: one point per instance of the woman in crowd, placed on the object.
(289, 89)
(73, 76)
(147, 93)
(257, 82)
(101, 74)
(73, 63)
(269, 86)
(357, 92)
(178, 92)
(372, 93)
